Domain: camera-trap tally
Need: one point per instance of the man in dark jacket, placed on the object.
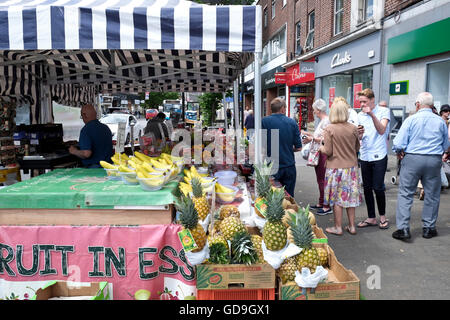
(157, 126)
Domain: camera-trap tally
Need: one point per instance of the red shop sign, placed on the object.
(296, 77)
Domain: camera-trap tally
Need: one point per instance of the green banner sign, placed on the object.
(399, 87)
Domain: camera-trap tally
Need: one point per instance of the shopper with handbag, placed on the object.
(342, 178)
(316, 158)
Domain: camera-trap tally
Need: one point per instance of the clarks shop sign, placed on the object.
(356, 54)
(340, 59)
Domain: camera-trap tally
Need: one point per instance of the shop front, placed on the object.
(248, 94)
(350, 68)
(418, 60)
(271, 89)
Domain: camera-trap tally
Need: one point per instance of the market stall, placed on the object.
(69, 54)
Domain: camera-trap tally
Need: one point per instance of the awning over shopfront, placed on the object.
(98, 46)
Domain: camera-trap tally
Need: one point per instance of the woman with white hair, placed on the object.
(320, 111)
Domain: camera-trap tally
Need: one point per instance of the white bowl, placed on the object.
(113, 174)
(147, 183)
(226, 177)
(129, 177)
(227, 197)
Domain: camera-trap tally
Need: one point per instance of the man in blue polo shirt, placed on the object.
(95, 143)
(288, 143)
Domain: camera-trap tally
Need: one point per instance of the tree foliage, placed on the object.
(156, 99)
(209, 103)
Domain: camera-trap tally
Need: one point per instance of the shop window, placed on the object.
(275, 47)
(438, 80)
(310, 37)
(365, 10)
(298, 46)
(265, 17)
(338, 15)
(274, 3)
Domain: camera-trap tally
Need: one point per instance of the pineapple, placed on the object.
(219, 253)
(274, 231)
(230, 226)
(257, 243)
(242, 249)
(228, 210)
(323, 256)
(287, 269)
(263, 184)
(200, 201)
(189, 220)
(217, 238)
(303, 235)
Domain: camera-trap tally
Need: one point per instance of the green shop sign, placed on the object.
(423, 42)
(399, 87)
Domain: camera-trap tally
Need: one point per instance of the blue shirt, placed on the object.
(289, 137)
(97, 137)
(422, 133)
(373, 144)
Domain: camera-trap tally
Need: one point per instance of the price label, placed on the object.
(187, 240)
(120, 142)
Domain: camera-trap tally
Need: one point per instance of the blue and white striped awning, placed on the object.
(128, 25)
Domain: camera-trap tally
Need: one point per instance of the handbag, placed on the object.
(313, 157)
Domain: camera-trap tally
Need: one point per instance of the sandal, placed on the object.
(384, 224)
(347, 228)
(334, 231)
(366, 223)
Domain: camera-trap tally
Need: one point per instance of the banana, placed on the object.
(159, 165)
(122, 168)
(107, 165)
(142, 157)
(222, 189)
(194, 172)
(147, 167)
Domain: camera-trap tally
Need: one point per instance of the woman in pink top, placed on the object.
(342, 178)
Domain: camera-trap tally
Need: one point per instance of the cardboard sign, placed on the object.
(120, 142)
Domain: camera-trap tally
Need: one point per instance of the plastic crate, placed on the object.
(237, 294)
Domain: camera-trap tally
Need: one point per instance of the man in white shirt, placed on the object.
(373, 123)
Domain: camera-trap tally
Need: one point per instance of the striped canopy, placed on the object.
(80, 48)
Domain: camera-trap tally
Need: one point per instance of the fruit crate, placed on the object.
(237, 294)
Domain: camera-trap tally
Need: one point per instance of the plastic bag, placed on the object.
(195, 258)
(205, 223)
(313, 157)
(305, 150)
(276, 258)
(306, 279)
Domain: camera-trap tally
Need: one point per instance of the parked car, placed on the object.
(150, 113)
(112, 121)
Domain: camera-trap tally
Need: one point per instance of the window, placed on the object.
(265, 17)
(310, 37)
(298, 46)
(275, 47)
(338, 14)
(365, 10)
(438, 75)
(274, 2)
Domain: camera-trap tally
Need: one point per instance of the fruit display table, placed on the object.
(84, 197)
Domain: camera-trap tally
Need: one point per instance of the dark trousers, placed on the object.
(287, 177)
(320, 175)
(373, 181)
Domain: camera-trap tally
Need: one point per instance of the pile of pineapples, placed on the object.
(287, 225)
(228, 239)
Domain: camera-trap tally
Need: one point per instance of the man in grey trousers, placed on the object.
(420, 143)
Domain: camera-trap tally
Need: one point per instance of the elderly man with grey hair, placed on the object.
(420, 143)
(320, 111)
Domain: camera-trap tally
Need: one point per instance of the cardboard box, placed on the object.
(342, 284)
(97, 290)
(235, 276)
(320, 235)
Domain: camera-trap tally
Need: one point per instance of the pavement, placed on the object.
(388, 269)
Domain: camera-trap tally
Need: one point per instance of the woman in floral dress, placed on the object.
(342, 177)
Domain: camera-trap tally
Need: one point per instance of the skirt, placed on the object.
(343, 187)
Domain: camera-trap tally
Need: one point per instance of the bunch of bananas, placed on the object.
(207, 183)
(224, 193)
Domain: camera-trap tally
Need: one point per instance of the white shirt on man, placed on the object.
(373, 144)
(353, 117)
